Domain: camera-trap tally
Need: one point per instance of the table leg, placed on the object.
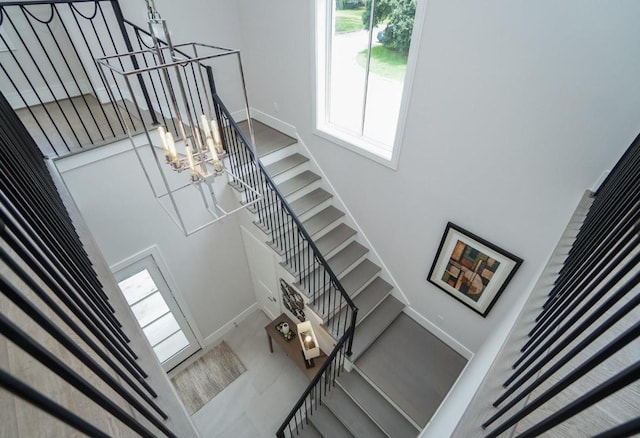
(270, 342)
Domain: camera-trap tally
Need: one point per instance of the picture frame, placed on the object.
(471, 269)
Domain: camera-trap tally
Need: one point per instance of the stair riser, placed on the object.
(391, 402)
(314, 210)
(345, 272)
(315, 236)
(279, 154)
(361, 316)
(326, 256)
(302, 191)
(290, 173)
(352, 296)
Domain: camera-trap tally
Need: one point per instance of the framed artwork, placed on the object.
(472, 270)
(292, 300)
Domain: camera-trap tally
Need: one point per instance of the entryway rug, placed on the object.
(206, 377)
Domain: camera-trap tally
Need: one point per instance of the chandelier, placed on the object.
(186, 152)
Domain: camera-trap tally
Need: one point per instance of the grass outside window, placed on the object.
(385, 62)
(349, 20)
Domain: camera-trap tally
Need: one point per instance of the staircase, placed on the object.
(355, 406)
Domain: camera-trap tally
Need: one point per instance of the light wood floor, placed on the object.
(71, 125)
(412, 367)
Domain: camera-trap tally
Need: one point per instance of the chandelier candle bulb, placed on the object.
(212, 149)
(192, 164)
(217, 165)
(216, 137)
(171, 146)
(162, 133)
(205, 125)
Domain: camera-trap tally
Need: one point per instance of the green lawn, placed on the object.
(387, 63)
(348, 20)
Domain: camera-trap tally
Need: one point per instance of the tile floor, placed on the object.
(257, 402)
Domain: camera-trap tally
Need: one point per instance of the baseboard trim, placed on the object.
(275, 123)
(217, 336)
(439, 333)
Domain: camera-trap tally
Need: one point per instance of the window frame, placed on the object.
(323, 30)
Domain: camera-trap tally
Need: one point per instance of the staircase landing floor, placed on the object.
(268, 140)
(412, 367)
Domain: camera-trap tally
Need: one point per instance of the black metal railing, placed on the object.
(591, 313)
(51, 77)
(300, 255)
(287, 233)
(49, 277)
(316, 391)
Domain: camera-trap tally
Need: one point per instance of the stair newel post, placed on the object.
(134, 61)
(354, 316)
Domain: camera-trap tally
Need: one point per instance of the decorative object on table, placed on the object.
(292, 300)
(286, 333)
(472, 270)
(308, 340)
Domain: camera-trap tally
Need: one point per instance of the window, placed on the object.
(363, 60)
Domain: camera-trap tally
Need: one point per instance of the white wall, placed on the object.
(516, 109)
(208, 269)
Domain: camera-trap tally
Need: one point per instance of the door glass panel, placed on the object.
(150, 309)
(171, 346)
(137, 286)
(164, 332)
(161, 329)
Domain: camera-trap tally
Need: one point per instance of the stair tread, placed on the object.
(297, 182)
(367, 300)
(350, 414)
(386, 416)
(338, 263)
(352, 282)
(308, 431)
(268, 140)
(369, 330)
(358, 277)
(310, 200)
(286, 163)
(346, 257)
(327, 424)
(334, 238)
(322, 219)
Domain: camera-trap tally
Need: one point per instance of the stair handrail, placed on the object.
(310, 393)
(287, 206)
(313, 384)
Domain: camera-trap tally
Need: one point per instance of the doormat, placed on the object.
(206, 377)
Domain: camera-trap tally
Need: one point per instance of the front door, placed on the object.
(157, 312)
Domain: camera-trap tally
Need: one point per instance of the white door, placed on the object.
(263, 274)
(157, 312)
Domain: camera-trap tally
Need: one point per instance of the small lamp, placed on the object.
(308, 340)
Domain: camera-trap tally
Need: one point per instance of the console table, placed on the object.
(292, 348)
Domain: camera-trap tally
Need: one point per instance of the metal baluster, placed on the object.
(601, 292)
(35, 398)
(86, 74)
(47, 22)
